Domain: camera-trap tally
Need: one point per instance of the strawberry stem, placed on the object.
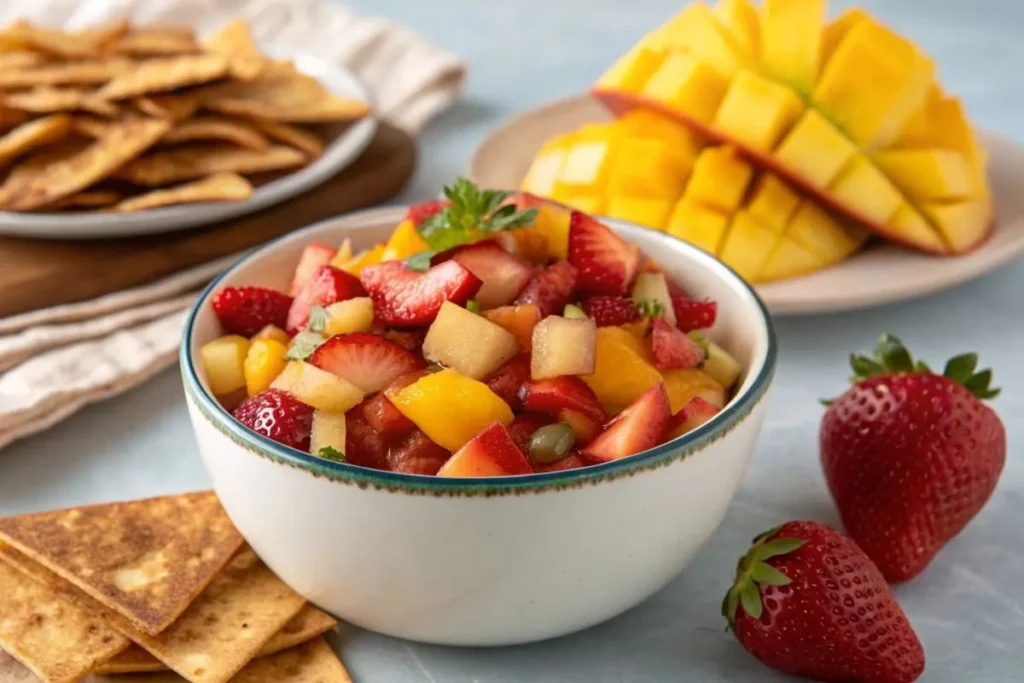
(753, 570)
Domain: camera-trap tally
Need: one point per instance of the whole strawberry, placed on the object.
(911, 456)
(247, 310)
(808, 602)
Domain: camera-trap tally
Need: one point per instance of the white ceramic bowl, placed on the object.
(483, 561)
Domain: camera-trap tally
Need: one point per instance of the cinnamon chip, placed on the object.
(222, 187)
(171, 165)
(217, 128)
(161, 74)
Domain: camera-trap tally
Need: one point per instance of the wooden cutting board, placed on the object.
(36, 274)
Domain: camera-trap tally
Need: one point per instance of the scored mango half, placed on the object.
(848, 110)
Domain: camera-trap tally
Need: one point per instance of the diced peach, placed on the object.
(224, 363)
(563, 346)
(317, 388)
(272, 332)
(519, 320)
(263, 363)
(622, 370)
(404, 242)
(470, 343)
(351, 315)
(329, 430)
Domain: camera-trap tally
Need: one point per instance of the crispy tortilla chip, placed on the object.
(161, 74)
(30, 168)
(175, 107)
(33, 134)
(47, 100)
(145, 559)
(168, 166)
(68, 73)
(157, 40)
(13, 671)
(11, 118)
(86, 43)
(91, 126)
(283, 95)
(21, 59)
(89, 199)
(313, 662)
(217, 128)
(55, 639)
(222, 187)
(235, 41)
(293, 136)
(304, 626)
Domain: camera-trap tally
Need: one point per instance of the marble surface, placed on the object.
(968, 607)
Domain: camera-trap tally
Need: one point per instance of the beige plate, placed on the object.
(882, 273)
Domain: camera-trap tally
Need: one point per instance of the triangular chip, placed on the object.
(173, 106)
(54, 638)
(172, 165)
(235, 41)
(21, 59)
(157, 40)
(67, 73)
(217, 128)
(85, 43)
(47, 100)
(304, 626)
(87, 199)
(146, 560)
(11, 118)
(300, 138)
(223, 187)
(162, 74)
(33, 134)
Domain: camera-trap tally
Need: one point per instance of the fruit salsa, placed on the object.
(491, 335)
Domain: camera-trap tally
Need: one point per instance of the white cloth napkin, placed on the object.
(55, 361)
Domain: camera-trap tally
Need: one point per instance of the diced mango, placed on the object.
(791, 35)
(328, 431)
(646, 123)
(747, 245)
(683, 385)
(699, 225)
(719, 179)
(622, 371)
(586, 168)
(317, 388)
(757, 112)
(862, 186)
(739, 18)
(370, 257)
(344, 253)
(553, 223)
(913, 228)
(789, 259)
(963, 224)
(837, 30)
(685, 84)
(224, 363)
(815, 150)
(772, 202)
(632, 70)
(653, 213)
(351, 315)
(697, 30)
(263, 363)
(649, 169)
(586, 203)
(819, 232)
(404, 242)
(543, 172)
(450, 408)
(273, 332)
(932, 174)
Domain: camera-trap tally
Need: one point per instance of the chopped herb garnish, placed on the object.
(420, 262)
(331, 453)
(471, 216)
(303, 345)
(650, 308)
(318, 318)
(473, 306)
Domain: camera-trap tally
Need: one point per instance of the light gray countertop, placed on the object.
(968, 608)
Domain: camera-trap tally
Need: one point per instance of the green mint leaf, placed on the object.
(472, 214)
(769, 575)
(961, 368)
(420, 262)
(473, 306)
(649, 308)
(574, 312)
(750, 598)
(331, 453)
(318, 318)
(303, 345)
(776, 547)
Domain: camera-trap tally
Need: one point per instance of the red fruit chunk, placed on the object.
(503, 275)
(606, 262)
(417, 454)
(418, 213)
(491, 453)
(551, 289)
(381, 414)
(570, 462)
(279, 416)
(328, 285)
(367, 360)
(611, 311)
(247, 310)
(315, 254)
(696, 412)
(551, 396)
(364, 445)
(405, 298)
(692, 314)
(671, 349)
(822, 610)
(523, 427)
(642, 425)
(509, 378)
(409, 339)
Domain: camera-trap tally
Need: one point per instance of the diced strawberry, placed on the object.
(523, 427)
(606, 262)
(405, 298)
(364, 445)
(611, 311)
(417, 454)
(381, 414)
(279, 416)
(551, 289)
(519, 320)
(692, 314)
(695, 413)
(572, 461)
(328, 285)
(550, 396)
(583, 428)
(367, 360)
(418, 213)
(247, 310)
(491, 453)
(509, 378)
(410, 339)
(671, 349)
(315, 254)
(503, 275)
(642, 425)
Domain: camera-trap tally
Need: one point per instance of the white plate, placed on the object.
(339, 153)
(880, 274)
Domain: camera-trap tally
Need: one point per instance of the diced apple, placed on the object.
(224, 363)
(789, 259)
(693, 415)
(699, 225)
(470, 343)
(758, 112)
(654, 287)
(862, 186)
(328, 431)
(697, 30)
(721, 366)
(772, 203)
(491, 453)
(317, 388)
(815, 150)
(719, 179)
(503, 275)
(518, 320)
(314, 255)
(653, 213)
(273, 332)
(263, 363)
(684, 83)
(747, 245)
(791, 34)
(351, 315)
(928, 174)
(563, 346)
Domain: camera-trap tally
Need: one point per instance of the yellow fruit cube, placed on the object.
(586, 167)
(739, 18)
(747, 245)
(862, 186)
(404, 242)
(699, 225)
(963, 224)
(683, 385)
(263, 363)
(721, 366)
(343, 255)
(317, 388)
(685, 84)
(273, 332)
(351, 315)
(837, 30)
(632, 70)
(698, 31)
(553, 224)
(683, 142)
(450, 408)
(873, 84)
(934, 174)
(772, 202)
(819, 232)
(223, 361)
(586, 203)
(622, 371)
(369, 257)
(648, 169)
(908, 223)
(789, 259)
(543, 172)
(719, 179)
(815, 150)
(791, 35)
(757, 112)
(328, 431)
(653, 213)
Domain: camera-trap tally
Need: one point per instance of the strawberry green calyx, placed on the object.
(753, 570)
